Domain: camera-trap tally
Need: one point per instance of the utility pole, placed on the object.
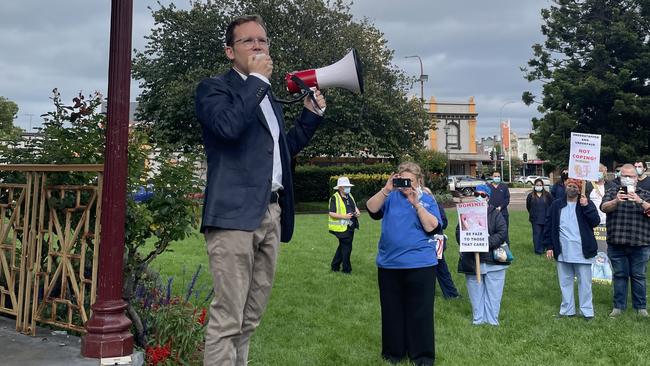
(423, 77)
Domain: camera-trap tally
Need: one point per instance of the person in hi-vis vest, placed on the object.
(343, 220)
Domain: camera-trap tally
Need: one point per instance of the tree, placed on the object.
(75, 134)
(8, 112)
(187, 45)
(595, 66)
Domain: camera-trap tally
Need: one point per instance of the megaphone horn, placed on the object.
(345, 73)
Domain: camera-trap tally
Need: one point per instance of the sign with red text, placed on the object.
(472, 218)
(584, 157)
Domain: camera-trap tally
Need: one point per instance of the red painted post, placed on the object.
(108, 328)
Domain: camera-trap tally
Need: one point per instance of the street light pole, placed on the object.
(446, 128)
(423, 77)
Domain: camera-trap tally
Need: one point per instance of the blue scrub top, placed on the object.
(404, 243)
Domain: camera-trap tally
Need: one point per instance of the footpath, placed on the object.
(47, 348)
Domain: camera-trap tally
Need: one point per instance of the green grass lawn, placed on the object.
(316, 317)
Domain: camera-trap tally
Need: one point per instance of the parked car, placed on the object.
(532, 178)
(521, 179)
(463, 184)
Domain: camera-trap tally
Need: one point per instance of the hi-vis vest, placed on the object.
(340, 225)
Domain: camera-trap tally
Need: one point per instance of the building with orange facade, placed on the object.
(454, 134)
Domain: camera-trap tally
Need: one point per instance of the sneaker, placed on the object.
(616, 312)
(589, 318)
(642, 313)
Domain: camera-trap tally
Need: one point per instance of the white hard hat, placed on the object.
(343, 182)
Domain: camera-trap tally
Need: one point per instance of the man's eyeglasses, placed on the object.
(477, 194)
(249, 42)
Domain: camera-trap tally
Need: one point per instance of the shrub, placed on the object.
(312, 183)
(365, 186)
(174, 327)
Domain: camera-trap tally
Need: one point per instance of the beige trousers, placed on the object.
(242, 265)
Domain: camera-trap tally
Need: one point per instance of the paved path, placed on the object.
(44, 349)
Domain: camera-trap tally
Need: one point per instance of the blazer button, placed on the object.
(270, 151)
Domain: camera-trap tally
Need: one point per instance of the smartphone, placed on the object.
(401, 182)
(623, 189)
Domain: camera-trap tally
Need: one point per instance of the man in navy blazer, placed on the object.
(248, 204)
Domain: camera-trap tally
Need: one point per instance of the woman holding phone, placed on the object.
(405, 259)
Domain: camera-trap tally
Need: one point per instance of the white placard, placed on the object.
(584, 157)
(473, 227)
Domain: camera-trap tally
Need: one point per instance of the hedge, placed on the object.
(312, 183)
(365, 186)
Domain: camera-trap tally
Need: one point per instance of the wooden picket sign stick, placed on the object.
(478, 267)
(584, 184)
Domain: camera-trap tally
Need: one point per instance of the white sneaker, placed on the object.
(642, 313)
(615, 312)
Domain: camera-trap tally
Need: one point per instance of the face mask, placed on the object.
(627, 181)
(601, 175)
(347, 190)
(639, 171)
(572, 192)
(617, 174)
(479, 199)
(539, 188)
(496, 179)
(419, 190)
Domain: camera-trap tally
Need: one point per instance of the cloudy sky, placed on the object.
(468, 48)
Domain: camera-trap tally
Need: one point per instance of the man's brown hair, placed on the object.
(239, 21)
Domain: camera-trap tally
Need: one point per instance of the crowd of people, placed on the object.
(562, 220)
(248, 210)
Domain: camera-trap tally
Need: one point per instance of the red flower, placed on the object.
(201, 319)
(158, 354)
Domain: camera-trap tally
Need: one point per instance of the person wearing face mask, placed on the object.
(343, 220)
(500, 199)
(595, 191)
(537, 203)
(569, 239)
(628, 240)
(406, 259)
(486, 295)
(617, 176)
(557, 190)
(643, 181)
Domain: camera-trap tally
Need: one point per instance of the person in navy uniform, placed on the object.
(500, 199)
(537, 205)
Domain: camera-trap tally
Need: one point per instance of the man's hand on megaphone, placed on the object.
(320, 99)
(261, 64)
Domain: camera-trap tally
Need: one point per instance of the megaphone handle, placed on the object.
(306, 89)
(313, 101)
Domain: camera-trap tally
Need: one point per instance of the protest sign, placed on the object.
(472, 217)
(584, 156)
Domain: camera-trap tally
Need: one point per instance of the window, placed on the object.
(453, 136)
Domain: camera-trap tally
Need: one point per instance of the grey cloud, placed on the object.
(468, 48)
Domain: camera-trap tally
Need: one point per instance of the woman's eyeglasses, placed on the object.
(481, 194)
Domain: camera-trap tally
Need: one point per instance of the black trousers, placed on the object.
(447, 286)
(538, 230)
(407, 329)
(343, 252)
(507, 218)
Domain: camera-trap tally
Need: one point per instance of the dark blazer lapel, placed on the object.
(238, 83)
